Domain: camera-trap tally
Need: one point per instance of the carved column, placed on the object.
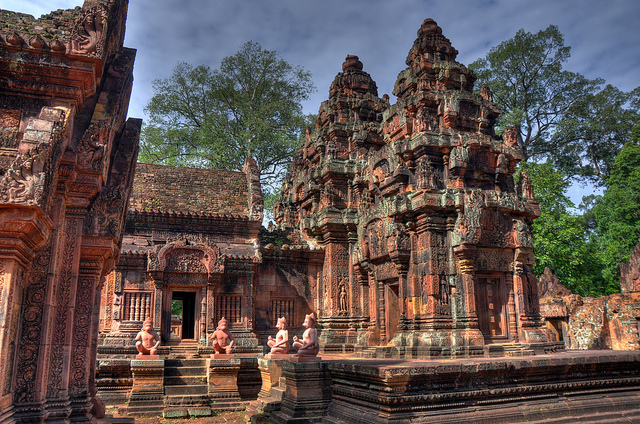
(11, 288)
(81, 361)
(59, 344)
(467, 281)
(157, 314)
(382, 320)
(513, 324)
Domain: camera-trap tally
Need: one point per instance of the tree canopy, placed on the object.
(560, 116)
(570, 128)
(250, 106)
(561, 241)
(617, 212)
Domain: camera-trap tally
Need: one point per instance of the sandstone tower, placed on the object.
(427, 239)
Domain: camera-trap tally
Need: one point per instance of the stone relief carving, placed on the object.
(28, 354)
(24, 181)
(92, 145)
(89, 32)
(63, 297)
(103, 218)
(185, 260)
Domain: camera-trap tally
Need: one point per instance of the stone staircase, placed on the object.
(184, 349)
(185, 387)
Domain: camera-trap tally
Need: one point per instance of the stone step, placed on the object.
(277, 393)
(176, 363)
(188, 380)
(195, 389)
(182, 400)
(180, 371)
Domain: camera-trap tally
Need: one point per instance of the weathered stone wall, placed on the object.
(67, 80)
(608, 322)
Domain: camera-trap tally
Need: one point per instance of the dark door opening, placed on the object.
(188, 300)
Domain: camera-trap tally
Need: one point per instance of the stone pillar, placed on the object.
(511, 308)
(11, 289)
(157, 314)
(469, 335)
(82, 362)
(60, 332)
(307, 395)
(223, 382)
(147, 393)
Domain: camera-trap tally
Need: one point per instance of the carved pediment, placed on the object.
(185, 255)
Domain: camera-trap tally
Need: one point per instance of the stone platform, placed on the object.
(567, 387)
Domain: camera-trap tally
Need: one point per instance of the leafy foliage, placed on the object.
(593, 133)
(560, 238)
(250, 106)
(560, 116)
(617, 212)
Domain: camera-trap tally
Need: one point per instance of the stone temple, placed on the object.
(427, 240)
(399, 225)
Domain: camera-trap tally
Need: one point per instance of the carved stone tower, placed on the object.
(427, 241)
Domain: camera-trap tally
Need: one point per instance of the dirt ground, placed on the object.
(226, 417)
(239, 417)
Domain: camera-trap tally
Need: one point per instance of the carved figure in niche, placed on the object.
(145, 339)
(365, 249)
(329, 192)
(24, 180)
(332, 149)
(525, 186)
(222, 338)
(459, 157)
(486, 93)
(343, 298)
(281, 343)
(444, 294)
(381, 172)
(401, 238)
(523, 237)
(510, 135)
(308, 346)
(502, 164)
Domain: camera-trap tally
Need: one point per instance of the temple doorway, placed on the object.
(183, 315)
(491, 301)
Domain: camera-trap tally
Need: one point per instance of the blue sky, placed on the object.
(604, 36)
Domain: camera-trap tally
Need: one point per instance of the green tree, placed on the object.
(617, 212)
(559, 115)
(560, 239)
(250, 106)
(593, 133)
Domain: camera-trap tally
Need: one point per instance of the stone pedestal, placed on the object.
(223, 356)
(278, 356)
(223, 383)
(273, 384)
(307, 395)
(147, 393)
(143, 357)
(305, 359)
